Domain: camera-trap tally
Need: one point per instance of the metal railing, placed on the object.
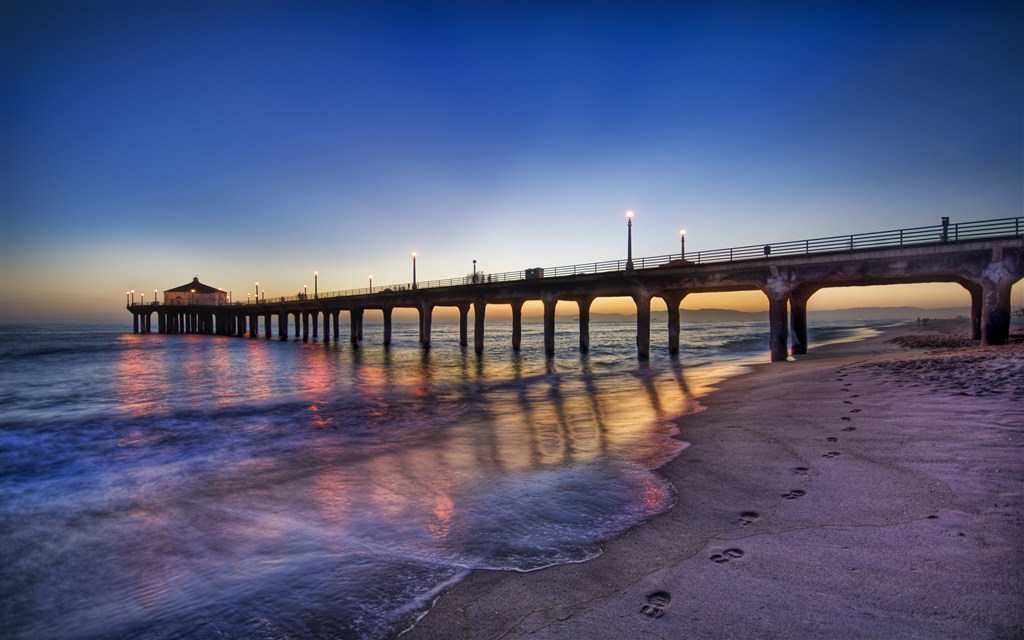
(952, 233)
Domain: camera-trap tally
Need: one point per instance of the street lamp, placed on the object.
(316, 276)
(629, 240)
(474, 271)
(154, 296)
(127, 297)
(682, 244)
(248, 298)
(371, 284)
(257, 293)
(305, 292)
(133, 296)
(142, 298)
(413, 269)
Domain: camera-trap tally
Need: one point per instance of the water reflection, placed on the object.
(278, 488)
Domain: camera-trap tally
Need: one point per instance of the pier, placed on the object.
(986, 258)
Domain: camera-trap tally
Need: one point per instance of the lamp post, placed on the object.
(257, 293)
(371, 284)
(127, 297)
(629, 240)
(413, 269)
(133, 296)
(248, 298)
(192, 296)
(142, 298)
(682, 244)
(305, 292)
(474, 271)
(154, 296)
(316, 277)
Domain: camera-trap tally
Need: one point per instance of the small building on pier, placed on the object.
(195, 292)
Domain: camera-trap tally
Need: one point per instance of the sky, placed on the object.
(144, 143)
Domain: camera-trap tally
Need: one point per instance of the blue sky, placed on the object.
(144, 143)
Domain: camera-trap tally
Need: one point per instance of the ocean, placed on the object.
(184, 486)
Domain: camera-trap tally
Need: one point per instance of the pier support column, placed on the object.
(240, 325)
(463, 324)
(355, 317)
(387, 326)
(643, 325)
(327, 327)
(282, 325)
(335, 319)
(479, 308)
(517, 324)
(798, 318)
(549, 325)
(135, 322)
(977, 301)
(426, 316)
(778, 289)
(315, 322)
(996, 283)
(267, 331)
(672, 302)
(305, 326)
(584, 314)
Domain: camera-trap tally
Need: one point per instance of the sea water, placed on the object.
(184, 486)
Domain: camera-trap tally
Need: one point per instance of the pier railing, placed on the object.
(936, 234)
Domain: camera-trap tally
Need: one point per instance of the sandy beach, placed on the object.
(866, 490)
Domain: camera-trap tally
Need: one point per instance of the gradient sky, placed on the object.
(144, 143)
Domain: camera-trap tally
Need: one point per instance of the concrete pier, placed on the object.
(986, 268)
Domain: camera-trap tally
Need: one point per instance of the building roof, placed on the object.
(196, 286)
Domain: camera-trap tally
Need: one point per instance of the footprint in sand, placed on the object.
(794, 494)
(856, 395)
(847, 402)
(748, 518)
(726, 556)
(657, 602)
(831, 439)
(847, 384)
(854, 410)
(849, 428)
(801, 471)
(831, 454)
(846, 418)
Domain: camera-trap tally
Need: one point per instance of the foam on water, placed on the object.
(200, 486)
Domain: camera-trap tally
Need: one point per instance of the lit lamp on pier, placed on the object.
(127, 297)
(248, 298)
(371, 284)
(142, 298)
(413, 269)
(629, 240)
(155, 299)
(257, 293)
(474, 271)
(682, 244)
(305, 292)
(133, 296)
(316, 276)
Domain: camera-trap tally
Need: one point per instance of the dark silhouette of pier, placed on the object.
(986, 258)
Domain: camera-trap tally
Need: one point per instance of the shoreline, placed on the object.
(865, 489)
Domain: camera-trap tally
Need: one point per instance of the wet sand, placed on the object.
(867, 490)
